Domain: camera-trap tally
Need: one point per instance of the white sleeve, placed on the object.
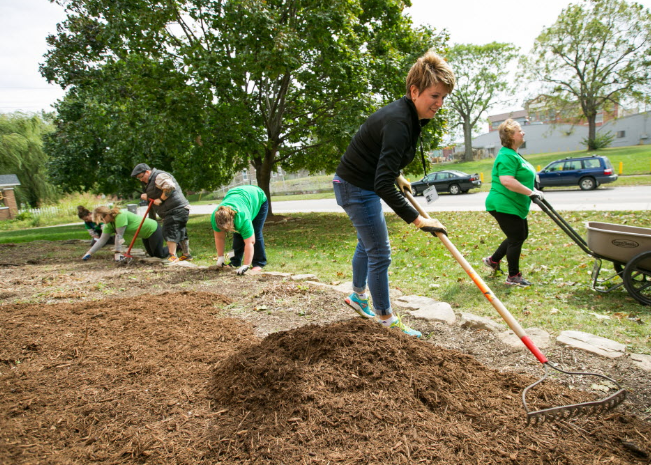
(119, 234)
(101, 242)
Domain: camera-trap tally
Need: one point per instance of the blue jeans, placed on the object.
(373, 252)
(259, 254)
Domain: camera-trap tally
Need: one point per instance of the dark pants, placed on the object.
(259, 254)
(155, 245)
(174, 225)
(516, 230)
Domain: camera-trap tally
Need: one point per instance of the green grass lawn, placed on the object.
(560, 298)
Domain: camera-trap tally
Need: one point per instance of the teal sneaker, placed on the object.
(360, 305)
(404, 328)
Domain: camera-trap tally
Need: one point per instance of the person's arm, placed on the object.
(220, 240)
(119, 238)
(164, 182)
(248, 251)
(248, 255)
(396, 140)
(101, 242)
(514, 185)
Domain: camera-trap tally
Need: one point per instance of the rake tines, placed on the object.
(587, 408)
(566, 412)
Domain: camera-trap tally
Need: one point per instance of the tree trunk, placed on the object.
(467, 140)
(263, 169)
(592, 130)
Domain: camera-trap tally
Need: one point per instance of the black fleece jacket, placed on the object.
(384, 144)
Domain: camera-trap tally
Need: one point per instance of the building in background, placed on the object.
(8, 206)
(556, 136)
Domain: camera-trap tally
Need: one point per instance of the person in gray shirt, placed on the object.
(170, 204)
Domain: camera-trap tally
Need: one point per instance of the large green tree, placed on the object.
(596, 54)
(22, 154)
(274, 83)
(482, 76)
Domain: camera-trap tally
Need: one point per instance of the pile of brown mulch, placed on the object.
(354, 392)
(166, 379)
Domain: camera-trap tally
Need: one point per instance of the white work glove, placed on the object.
(86, 257)
(243, 269)
(432, 225)
(403, 184)
(536, 195)
(220, 261)
(118, 257)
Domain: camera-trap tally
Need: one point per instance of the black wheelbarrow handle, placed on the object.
(564, 225)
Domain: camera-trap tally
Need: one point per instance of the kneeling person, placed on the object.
(122, 222)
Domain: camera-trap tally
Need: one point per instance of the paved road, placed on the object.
(602, 199)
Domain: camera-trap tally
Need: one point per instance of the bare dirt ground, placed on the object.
(147, 364)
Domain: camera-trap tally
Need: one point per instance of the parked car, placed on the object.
(452, 181)
(585, 172)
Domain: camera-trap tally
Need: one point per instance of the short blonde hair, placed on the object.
(506, 130)
(430, 69)
(100, 212)
(225, 218)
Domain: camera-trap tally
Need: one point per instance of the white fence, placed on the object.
(48, 212)
(53, 212)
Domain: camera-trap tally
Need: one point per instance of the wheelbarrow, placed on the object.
(557, 413)
(627, 247)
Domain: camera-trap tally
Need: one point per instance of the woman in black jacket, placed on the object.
(368, 173)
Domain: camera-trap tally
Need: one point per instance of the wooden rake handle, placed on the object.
(135, 236)
(485, 290)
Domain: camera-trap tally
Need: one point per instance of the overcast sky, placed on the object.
(24, 25)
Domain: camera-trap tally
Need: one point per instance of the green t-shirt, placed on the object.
(502, 200)
(131, 221)
(246, 201)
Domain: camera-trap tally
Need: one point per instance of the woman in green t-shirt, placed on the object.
(121, 222)
(242, 212)
(509, 200)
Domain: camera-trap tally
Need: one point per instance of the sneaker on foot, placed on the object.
(488, 261)
(360, 305)
(404, 328)
(172, 259)
(186, 257)
(517, 280)
(256, 268)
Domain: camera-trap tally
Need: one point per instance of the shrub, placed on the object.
(601, 141)
(23, 216)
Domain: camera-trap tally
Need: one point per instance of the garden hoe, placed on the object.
(128, 256)
(538, 416)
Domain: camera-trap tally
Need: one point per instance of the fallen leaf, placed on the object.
(599, 317)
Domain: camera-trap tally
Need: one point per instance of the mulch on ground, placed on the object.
(171, 379)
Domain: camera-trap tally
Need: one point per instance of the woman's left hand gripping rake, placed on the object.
(533, 416)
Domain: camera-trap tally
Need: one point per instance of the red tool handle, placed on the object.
(135, 236)
(499, 306)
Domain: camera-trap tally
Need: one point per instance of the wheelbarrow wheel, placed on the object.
(637, 279)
